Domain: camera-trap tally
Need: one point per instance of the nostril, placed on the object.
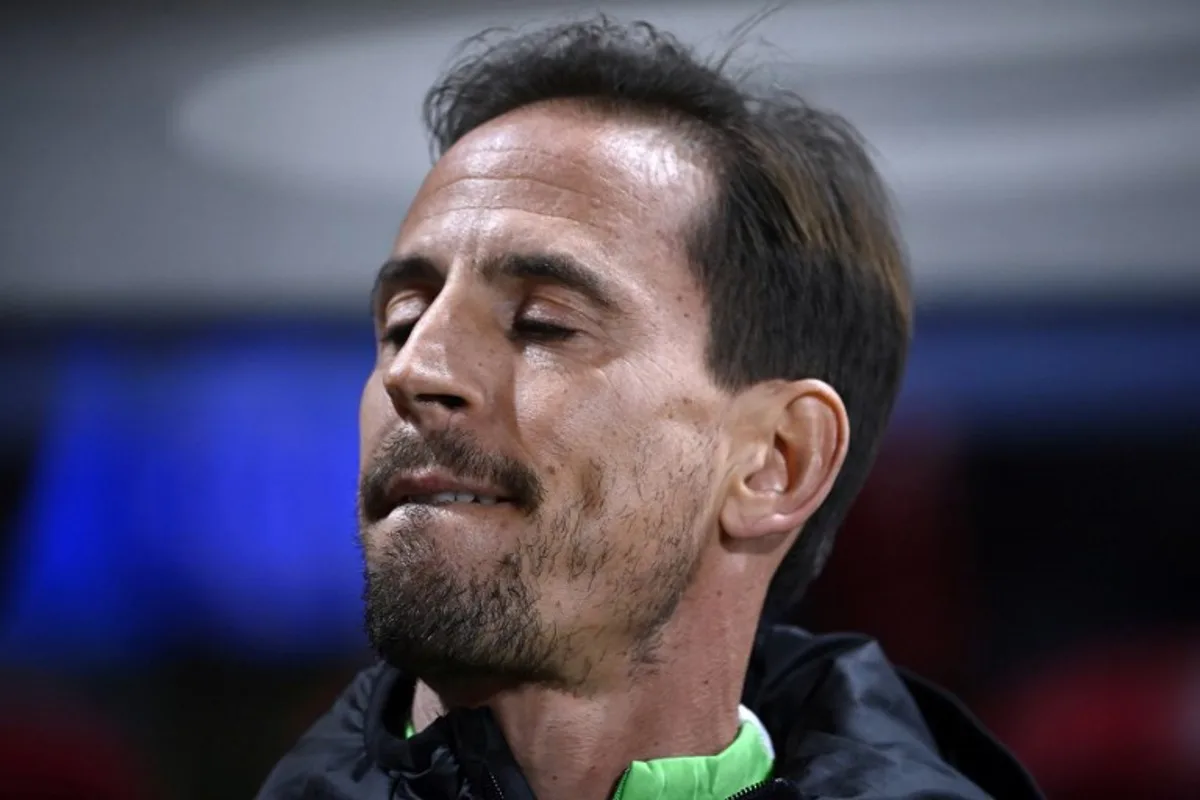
(449, 401)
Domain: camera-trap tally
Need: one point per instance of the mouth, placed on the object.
(441, 490)
(452, 498)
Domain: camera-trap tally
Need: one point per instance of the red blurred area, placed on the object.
(902, 565)
(1104, 713)
(53, 746)
(1114, 720)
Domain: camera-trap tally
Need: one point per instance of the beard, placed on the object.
(425, 616)
(455, 624)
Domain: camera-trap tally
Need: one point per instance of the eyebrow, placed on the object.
(399, 271)
(554, 268)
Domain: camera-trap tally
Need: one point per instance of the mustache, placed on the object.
(405, 450)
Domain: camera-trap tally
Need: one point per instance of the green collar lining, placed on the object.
(745, 762)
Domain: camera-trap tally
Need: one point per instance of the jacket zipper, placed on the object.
(757, 790)
(745, 794)
(619, 793)
(495, 792)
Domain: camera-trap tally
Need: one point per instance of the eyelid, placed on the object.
(559, 311)
(400, 302)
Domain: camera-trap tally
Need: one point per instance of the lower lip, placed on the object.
(453, 508)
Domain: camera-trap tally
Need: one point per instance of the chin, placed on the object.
(434, 621)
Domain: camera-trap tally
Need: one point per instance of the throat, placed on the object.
(610, 747)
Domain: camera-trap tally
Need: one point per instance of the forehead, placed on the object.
(616, 193)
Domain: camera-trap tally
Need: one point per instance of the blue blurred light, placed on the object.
(195, 491)
(200, 488)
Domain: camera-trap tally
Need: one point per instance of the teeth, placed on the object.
(446, 498)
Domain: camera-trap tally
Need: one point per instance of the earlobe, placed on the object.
(791, 460)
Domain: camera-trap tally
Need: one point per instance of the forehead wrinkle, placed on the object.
(623, 152)
(473, 207)
(505, 173)
(503, 151)
(510, 179)
(538, 197)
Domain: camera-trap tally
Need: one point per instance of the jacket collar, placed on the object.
(849, 724)
(843, 721)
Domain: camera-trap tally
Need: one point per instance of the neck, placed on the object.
(577, 745)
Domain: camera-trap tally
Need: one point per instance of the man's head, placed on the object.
(655, 323)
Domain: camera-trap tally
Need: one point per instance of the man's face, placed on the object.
(539, 436)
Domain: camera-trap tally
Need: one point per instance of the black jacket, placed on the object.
(845, 725)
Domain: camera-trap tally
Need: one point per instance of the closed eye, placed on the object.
(541, 331)
(397, 335)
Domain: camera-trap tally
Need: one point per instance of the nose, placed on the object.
(441, 369)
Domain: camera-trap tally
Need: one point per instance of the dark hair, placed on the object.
(798, 255)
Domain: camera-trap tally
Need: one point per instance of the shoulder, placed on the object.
(851, 722)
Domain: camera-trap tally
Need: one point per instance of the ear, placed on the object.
(790, 444)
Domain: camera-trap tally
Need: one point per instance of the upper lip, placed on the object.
(424, 483)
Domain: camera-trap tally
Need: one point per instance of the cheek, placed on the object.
(606, 438)
(624, 455)
(571, 421)
(374, 412)
(660, 456)
(574, 434)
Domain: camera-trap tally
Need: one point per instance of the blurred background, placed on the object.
(198, 196)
